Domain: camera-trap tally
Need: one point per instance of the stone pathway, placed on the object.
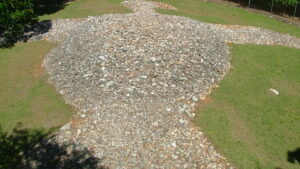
(135, 80)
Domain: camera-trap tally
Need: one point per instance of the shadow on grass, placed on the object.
(32, 31)
(43, 7)
(33, 148)
(35, 29)
(294, 156)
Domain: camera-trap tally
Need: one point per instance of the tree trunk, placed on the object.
(295, 11)
(249, 3)
(272, 6)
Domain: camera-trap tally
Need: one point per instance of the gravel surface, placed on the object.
(135, 80)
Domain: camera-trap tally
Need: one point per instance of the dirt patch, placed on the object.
(207, 100)
(38, 70)
(76, 121)
(165, 6)
(202, 102)
(233, 26)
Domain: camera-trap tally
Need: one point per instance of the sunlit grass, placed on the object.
(217, 13)
(253, 127)
(85, 8)
(25, 95)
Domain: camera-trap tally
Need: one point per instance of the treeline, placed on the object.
(289, 7)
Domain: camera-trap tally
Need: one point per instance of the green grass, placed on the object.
(223, 14)
(252, 127)
(85, 8)
(25, 95)
(248, 124)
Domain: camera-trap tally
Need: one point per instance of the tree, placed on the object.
(14, 15)
(293, 3)
(295, 11)
(288, 2)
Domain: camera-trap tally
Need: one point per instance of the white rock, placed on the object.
(274, 91)
(108, 84)
(153, 59)
(102, 57)
(182, 121)
(65, 127)
(194, 99)
(174, 156)
(182, 110)
(87, 75)
(155, 124)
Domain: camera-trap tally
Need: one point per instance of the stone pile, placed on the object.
(135, 80)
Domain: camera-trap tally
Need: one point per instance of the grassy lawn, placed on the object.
(25, 95)
(251, 126)
(85, 8)
(223, 14)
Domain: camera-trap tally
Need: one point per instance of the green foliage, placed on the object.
(15, 14)
(288, 2)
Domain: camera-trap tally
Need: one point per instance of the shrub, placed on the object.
(14, 16)
(288, 2)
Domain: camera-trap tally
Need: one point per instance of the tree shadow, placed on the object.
(33, 148)
(294, 156)
(35, 29)
(43, 7)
